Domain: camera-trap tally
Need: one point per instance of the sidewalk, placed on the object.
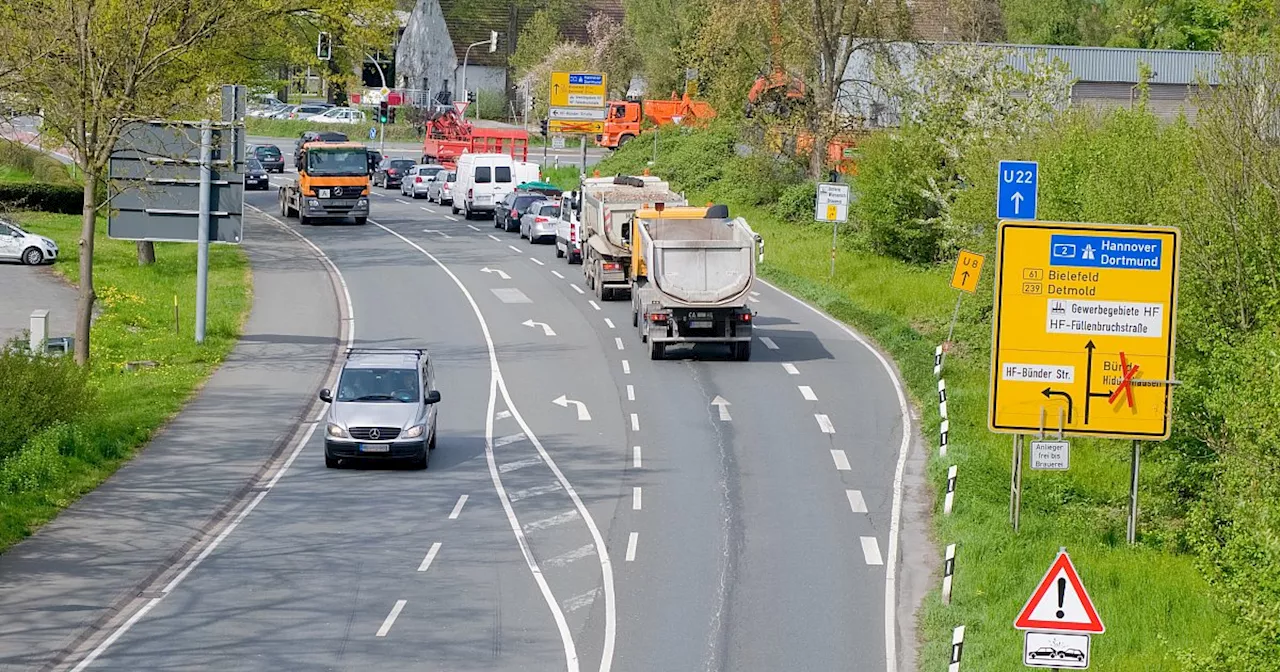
(95, 557)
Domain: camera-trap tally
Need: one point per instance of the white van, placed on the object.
(527, 171)
(483, 181)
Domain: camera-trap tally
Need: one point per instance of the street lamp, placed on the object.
(493, 46)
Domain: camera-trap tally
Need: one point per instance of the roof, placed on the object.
(1108, 64)
(380, 358)
(338, 145)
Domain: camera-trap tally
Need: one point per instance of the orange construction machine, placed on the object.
(622, 124)
(449, 135)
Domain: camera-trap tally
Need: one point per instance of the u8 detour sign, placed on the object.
(1083, 328)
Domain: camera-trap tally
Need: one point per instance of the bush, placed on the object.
(39, 464)
(66, 199)
(894, 216)
(38, 393)
(50, 170)
(492, 104)
(18, 155)
(796, 202)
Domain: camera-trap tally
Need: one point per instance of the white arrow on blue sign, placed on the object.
(373, 132)
(1017, 185)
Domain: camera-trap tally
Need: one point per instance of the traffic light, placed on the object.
(392, 115)
(543, 124)
(382, 112)
(324, 46)
(471, 96)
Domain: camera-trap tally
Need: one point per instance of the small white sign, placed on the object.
(1051, 455)
(1038, 373)
(1105, 318)
(586, 100)
(1056, 650)
(577, 114)
(557, 142)
(832, 203)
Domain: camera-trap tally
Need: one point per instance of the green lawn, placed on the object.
(136, 324)
(11, 174)
(1153, 602)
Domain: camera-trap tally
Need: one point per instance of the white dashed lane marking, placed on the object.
(824, 423)
(431, 555)
(856, 502)
(631, 546)
(871, 551)
(768, 343)
(807, 393)
(841, 460)
(457, 508)
(790, 368)
(391, 618)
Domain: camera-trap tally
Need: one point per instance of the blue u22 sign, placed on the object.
(1017, 185)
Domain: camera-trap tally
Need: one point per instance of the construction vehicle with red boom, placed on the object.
(449, 135)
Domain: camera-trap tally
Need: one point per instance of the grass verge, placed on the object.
(1154, 601)
(136, 323)
(11, 174)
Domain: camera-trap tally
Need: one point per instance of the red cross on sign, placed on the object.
(1126, 383)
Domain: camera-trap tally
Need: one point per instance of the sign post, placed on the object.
(1059, 619)
(964, 277)
(832, 205)
(577, 106)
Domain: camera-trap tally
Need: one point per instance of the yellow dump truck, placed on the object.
(332, 183)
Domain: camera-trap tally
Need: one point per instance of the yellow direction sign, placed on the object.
(577, 89)
(1083, 332)
(968, 270)
(575, 127)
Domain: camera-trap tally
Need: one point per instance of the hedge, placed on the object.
(66, 199)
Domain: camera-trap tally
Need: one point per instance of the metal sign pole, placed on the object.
(955, 315)
(1015, 483)
(584, 154)
(202, 240)
(1133, 494)
(835, 226)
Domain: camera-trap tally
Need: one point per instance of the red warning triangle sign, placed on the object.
(1060, 603)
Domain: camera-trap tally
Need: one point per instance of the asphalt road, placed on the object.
(647, 530)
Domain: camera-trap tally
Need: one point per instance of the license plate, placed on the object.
(375, 448)
(701, 324)
(699, 316)
(483, 199)
(324, 193)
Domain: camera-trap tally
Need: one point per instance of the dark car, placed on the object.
(318, 136)
(391, 171)
(507, 215)
(375, 160)
(255, 175)
(1077, 654)
(270, 157)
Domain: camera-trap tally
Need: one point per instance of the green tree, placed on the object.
(539, 34)
(93, 66)
(1070, 22)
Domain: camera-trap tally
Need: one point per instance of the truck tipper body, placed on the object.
(624, 118)
(332, 183)
(692, 270)
(607, 205)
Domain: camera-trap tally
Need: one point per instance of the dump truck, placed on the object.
(692, 270)
(447, 136)
(622, 124)
(332, 183)
(605, 205)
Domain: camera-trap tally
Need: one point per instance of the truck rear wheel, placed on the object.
(742, 351)
(657, 350)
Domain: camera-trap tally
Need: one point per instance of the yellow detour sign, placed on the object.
(1083, 330)
(575, 127)
(968, 269)
(577, 89)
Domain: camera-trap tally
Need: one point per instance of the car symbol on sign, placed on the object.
(1061, 250)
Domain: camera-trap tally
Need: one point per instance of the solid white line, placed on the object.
(391, 618)
(635, 422)
(558, 519)
(631, 546)
(495, 238)
(871, 551)
(631, 393)
(841, 460)
(610, 323)
(895, 517)
(626, 366)
(498, 385)
(451, 217)
(856, 502)
(635, 498)
(457, 508)
(557, 274)
(594, 305)
(791, 368)
(807, 393)
(576, 554)
(537, 261)
(507, 440)
(577, 289)
(473, 227)
(636, 462)
(535, 491)
(431, 555)
(514, 249)
(519, 464)
(824, 423)
(618, 341)
(768, 343)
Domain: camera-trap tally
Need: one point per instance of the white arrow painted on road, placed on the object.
(1017, 201)
(546, 328)
(582, 408)
(436, 231)
(501, 274)
(723, 404)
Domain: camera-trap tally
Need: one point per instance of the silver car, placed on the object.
(415, 181)
(384, 408)
(440, 187)
(538, 223)
(27, 247)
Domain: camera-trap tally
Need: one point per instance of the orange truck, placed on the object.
(332, 183)
(622, 124)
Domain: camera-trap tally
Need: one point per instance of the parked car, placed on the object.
(538, 223)
(341, 115)
(269, 109)
(568, 244)
(255, 176)
(307, 111)
(383, 409)
(483, 181)
(514, 205)
(415, 182)
(270, 157)
(440, 188)
(22, 245)
(391, 171)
